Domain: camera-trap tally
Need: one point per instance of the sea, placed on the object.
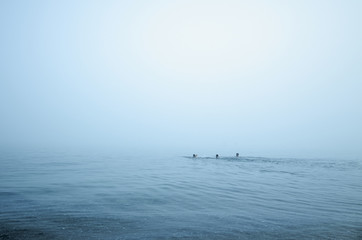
(63, 195)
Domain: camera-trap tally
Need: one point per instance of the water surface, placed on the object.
(114, 196)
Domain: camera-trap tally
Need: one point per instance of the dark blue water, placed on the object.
(114, 196)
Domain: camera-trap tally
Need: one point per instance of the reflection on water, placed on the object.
(104, 196)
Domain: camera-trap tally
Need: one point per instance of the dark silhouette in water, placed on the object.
(216, 156)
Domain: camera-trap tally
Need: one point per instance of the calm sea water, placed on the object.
(112, 196)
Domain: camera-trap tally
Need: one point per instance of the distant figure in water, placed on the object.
(194, 155)
(237, 154)
(217, 155)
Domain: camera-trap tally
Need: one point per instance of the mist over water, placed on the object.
(267, 79)
(102, 104)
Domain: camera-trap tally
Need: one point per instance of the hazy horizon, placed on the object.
(256, 77)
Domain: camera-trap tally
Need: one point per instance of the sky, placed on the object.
(263, 78)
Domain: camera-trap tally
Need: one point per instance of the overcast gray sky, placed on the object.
(273, 78)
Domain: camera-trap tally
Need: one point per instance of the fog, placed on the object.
(280, 78)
